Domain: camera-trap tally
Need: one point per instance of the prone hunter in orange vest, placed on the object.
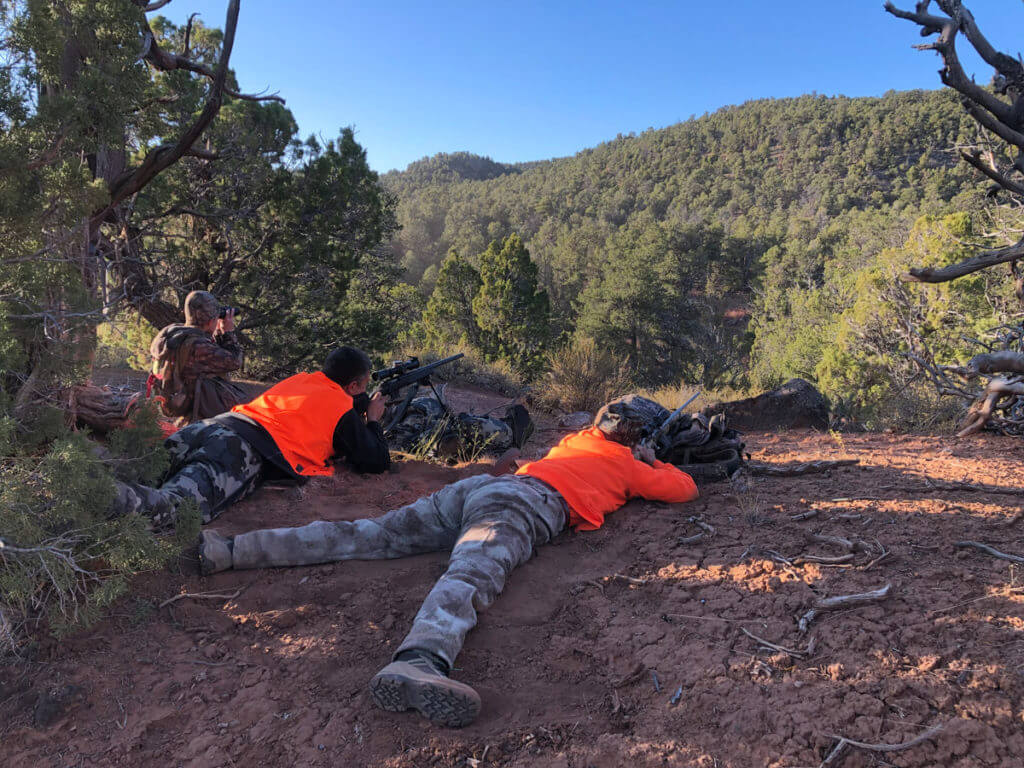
(299, 428)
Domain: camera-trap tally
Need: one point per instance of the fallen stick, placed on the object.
(691, 539)
(807, 468)
(842, 601)
(943, 486)
(773, 646)
(198, 596)
(800, 560)
(630, 579)
(804, 515)
(877, 560)
(706, 531)
(990, 551)
(837, 541)
(844, 742)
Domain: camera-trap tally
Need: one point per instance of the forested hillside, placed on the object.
(660, 244)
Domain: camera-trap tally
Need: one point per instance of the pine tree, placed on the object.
(513, 313)
(448, 318)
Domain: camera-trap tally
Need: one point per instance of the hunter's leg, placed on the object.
(504, 520)
(429, 524)
(215, 467)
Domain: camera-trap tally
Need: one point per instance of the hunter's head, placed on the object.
(202, 310)
(349, 368)
(623, 422)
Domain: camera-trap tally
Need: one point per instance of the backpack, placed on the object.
(171, 351)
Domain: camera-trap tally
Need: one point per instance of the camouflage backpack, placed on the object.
(700, 446)
(171, 351)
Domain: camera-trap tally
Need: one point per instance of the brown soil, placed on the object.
(581, 658)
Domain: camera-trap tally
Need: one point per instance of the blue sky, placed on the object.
(532, 80)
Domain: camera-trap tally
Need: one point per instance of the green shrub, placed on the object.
(64, 558)
(124, 343)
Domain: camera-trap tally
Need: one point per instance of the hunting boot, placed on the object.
(419, 680)
(216, 552)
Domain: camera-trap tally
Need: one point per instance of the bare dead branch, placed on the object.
(974, 160)
(844, 742)
(843, 601)
(1005, 361)
(836, 541)
(804, 515)
(166, 155)
(773, 646)
(198, 596)
(983, 260)
(989, 551)
(806, 468)
(822, 560)
(169, 62)
(155, 6)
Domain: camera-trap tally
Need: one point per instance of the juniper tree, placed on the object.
(511, 310)
(448, 318)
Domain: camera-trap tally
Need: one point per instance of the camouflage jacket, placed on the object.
(209, 355)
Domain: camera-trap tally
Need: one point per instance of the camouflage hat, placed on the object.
(629, 419)
(200, 308)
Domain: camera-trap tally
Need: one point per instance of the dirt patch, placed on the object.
(580, 660)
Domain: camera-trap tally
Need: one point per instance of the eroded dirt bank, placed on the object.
(580, 659)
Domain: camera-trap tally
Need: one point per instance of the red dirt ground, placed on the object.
(579, 661)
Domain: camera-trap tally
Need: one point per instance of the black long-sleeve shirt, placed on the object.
(358, 443)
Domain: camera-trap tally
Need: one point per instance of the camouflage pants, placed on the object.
(490, 524)
(212, 465)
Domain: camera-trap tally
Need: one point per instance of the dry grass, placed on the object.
(583, 377)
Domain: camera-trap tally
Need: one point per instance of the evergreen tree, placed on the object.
(448, 318)
(512, 312)
(640, 307)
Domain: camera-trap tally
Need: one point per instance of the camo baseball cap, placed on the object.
(629, 419)
(200, 308)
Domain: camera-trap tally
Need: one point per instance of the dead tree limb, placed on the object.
(843, 743)
(999, 111)
(842, 601)
(806, 468)
(835, 541)
(989, 551)
(821, 560)
(773, 646)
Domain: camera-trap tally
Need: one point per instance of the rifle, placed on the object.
(653, 440)
(407, 373)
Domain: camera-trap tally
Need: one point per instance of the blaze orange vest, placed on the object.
(300, 413)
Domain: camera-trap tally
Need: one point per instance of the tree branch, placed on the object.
(952, 73)
(974, 160)
(967, 266)
(169, 62)
(167, 154)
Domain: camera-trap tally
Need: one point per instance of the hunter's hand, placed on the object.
(644, 453)
(376, 407)
(226, 323)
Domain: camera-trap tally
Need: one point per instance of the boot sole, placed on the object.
(436, 699)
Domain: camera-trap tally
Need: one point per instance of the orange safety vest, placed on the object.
(300, 413)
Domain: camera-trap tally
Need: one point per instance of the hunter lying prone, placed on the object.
(491, 525)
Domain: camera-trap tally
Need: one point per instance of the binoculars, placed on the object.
(224, 311)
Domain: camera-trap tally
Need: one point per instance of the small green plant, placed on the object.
(65, 556)
(838, 439)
